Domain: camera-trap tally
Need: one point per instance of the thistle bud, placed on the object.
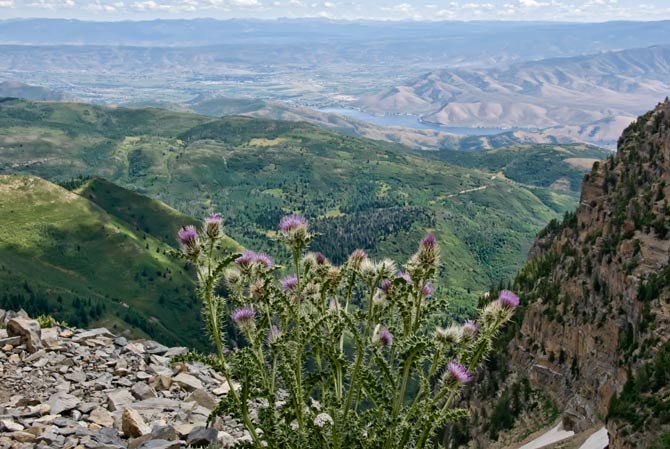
(334, 275)
(257, 289)
(233, 277)
(357, 258)
(404, 276)
(379, 299)
(368, 269)
(382, 337)
(386, 268)
(450, 336)
(320, 259)
(273, 334)
(428, 290)
(495, 313)
(214, 226)
(386, 285)
(469, 330)
(428, 255)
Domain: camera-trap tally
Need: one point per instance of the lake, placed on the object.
(411, 121)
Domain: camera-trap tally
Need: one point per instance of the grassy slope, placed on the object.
(358, 192)
(56, 243)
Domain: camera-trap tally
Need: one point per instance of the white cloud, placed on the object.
(6, 3)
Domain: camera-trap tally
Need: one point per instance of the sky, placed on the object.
(552, 10)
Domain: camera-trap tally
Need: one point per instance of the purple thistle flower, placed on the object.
(385, 286)
(508, 299)
(263, 259)
(428, 290)
(404, 275)
(214, 219)
(429, 241)
(385, 338)
(290, 282)
(470, 326)
(246, 259)
(188, 236)
(243, 316)
(292, 222)
(458, 373)
(320, 258)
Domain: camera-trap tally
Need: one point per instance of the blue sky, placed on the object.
(560, 10)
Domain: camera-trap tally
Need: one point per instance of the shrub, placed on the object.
(331, 352)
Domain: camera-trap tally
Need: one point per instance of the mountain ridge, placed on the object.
(556, 93)
(590, 333)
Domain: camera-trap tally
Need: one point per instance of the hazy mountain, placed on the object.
(458, 41)
(15, 89)
(311, 62)
(609, 88)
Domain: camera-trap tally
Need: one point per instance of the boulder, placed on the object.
(28, 330)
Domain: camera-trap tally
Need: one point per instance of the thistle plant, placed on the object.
(330, 353)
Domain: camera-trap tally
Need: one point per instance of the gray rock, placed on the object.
(119, 399)
(143, 391)
(204, 399)
(28, 330)
(160, 444)
(187, 382)
(90, 334)
(202, 437)
(7, 425)
(153, 347)
(13, 341)
(62, 402)
(226, 440)
(168, 433)
(101, 417)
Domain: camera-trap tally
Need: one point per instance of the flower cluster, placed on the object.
(333, 349)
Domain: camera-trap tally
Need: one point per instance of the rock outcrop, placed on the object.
(592, 335)
(89, 389)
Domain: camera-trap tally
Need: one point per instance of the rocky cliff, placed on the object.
(591, 339)
(76, 389)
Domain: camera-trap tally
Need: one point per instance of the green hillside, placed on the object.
(93, 259)
(357, 192)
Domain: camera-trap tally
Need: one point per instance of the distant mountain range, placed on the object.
(14, 89)
(592, 96)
